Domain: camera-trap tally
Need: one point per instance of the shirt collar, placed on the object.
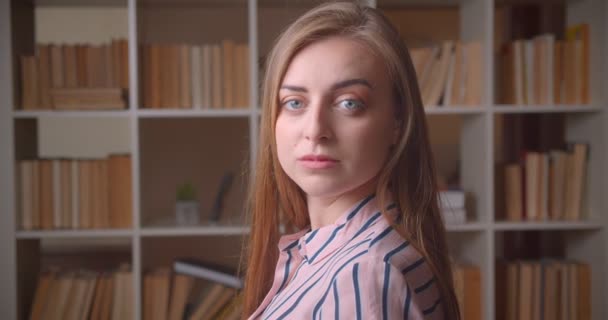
(314, 245)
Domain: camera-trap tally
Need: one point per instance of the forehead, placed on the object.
(334, 59)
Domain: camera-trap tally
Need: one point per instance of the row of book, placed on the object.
(545, 289)
(546, 71)
(188, 295)
(467, 286)
(84, 294)
(450, 73)
(59, 69)
(75, 193)
(546, 185)
(195, 76)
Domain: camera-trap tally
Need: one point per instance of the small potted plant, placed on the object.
(187, 208)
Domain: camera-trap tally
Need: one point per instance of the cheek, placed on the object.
(370, 141)
(282, 139)
(370, 148)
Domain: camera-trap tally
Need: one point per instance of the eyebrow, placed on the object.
(335, 86)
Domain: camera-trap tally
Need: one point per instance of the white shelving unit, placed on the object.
(476, 241)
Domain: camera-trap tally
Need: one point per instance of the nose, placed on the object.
(317, 127)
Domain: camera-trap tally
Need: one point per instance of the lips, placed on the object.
(312, 157)
(317, 161)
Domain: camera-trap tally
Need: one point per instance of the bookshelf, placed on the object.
(168, 145)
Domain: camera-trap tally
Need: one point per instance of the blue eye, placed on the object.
(351, 104)
(293, 104)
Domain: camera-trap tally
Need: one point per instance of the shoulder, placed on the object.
(390, 256)
(386, 245)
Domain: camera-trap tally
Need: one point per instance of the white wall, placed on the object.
(72, 25)
(82, 137)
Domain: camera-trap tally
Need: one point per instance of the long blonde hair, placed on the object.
(408, 174)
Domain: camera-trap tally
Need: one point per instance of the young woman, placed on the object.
(345, 161)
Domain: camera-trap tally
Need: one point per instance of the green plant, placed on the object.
(186, 192)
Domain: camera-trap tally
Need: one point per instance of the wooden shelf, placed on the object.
(93, 3)
(209, 230)
(20, 114)
(466, 227)
(550, 225)
(105, 233)
(454, 110)
(508, 109)
(195, 113)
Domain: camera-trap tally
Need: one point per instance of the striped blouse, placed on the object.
(356, 268)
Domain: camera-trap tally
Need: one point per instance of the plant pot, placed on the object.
(187, 213)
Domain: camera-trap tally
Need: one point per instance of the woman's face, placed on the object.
(337, 117)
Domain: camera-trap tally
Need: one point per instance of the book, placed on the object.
(57, 194)
(557, 184)
(467, 283)
(196, 76)
(185, 77)
(216, 62)
(228, 78)
(218, 202)
(543, 289)
(222, 300)
(44, 75)
(208, 271)
(64, 193)
(579, 35)
(449, 73)
(439, 76)
(513, 192)
(42, 295)
(207, 79)
(75, 194)
(46, 194)
(576, 181)
(148, 295)
(95, 98)
(182, 284)
(26, 193)
(156, 76)
(98, 298)
(120, 191)
(161, 303)
(526, 290)
(29, 84)
(212, 298)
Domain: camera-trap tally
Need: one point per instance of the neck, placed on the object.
(325, 210)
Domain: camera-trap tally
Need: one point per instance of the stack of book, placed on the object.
(452, 206)
(546, 289)
(80, 76)
(75, 193)
(84, 294)
(546, 186)
(467, 285)
(195, 76)
(547, 71)
(194, 291)
(450, 73)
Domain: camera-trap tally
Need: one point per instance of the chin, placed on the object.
(325, 187)
(321, 187)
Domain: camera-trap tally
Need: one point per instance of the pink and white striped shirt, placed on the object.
(356, 268)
